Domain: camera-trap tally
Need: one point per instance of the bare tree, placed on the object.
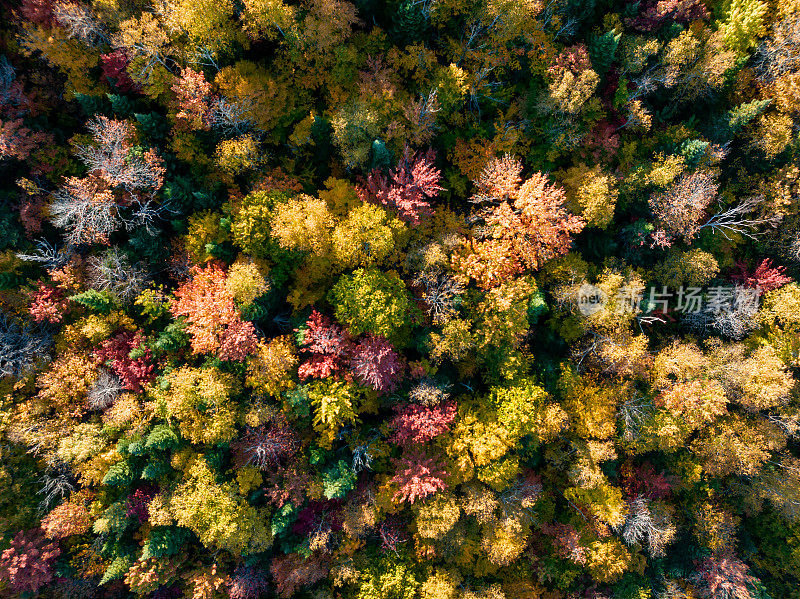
(362, 456)
(230, 117)
(113, 272)
(203, 56)
(790, 423)
(634, 411)
(121, 177)
(736, 320)
(422, 116)
(441, 293)
(147, 44)
(55, 488)
(49, 255)
(80, 22)
(145, 213)
(780, 53)
(740, 220)
(105, 391)
(643, 526)
(113, 155)
(21, 346)
(87, 209)
(679, 209)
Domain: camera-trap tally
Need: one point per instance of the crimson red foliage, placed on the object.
(31, 215)
(328, 343)
(418, 477)
(408, 188)
(317, 515)
(39, 12)
(375, 363)
(138, 503)
(416, 424)
(27, 565)
(114, 65)
(644, 481)
(238, 340)
(602, 143)
(655, 13)
(285, 484)
(18, 141)
(134, 373)
(765, 277)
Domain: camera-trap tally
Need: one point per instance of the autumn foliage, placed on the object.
(420, 299)
(215, 324)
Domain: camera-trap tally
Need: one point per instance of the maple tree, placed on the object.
(409, 187)
(416, 424)
(28, 564)
(526, 222)
(214, 320)
(418, 477)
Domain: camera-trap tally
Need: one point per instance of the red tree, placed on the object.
(134, 373)
(654, 13)
(138, 503)
(644, 481)
(27, 565)
(566, 541)
(115, 65)
(237, 341)
(39, 12)
(328, 343)
(214, 320)
(408, 188)
(48, 304)
(765, 277)
(415, 424)
(18, 141)
(418, 477)
(375, 363)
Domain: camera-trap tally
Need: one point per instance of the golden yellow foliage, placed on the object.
(608, 560)
(199, 399)
(271, 368)
(303, 223)
(217, 514)
(591, 193)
